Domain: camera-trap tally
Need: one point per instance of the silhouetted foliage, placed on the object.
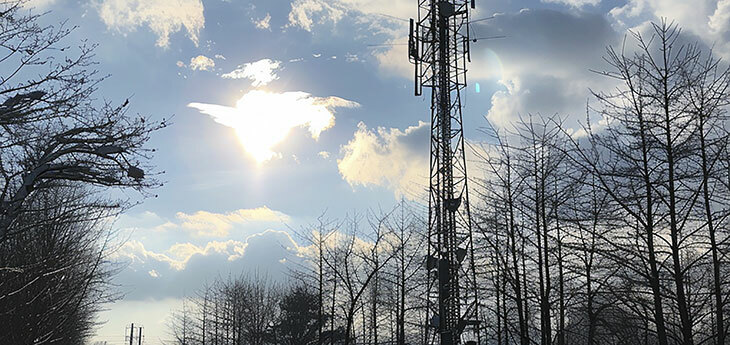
(53, 131)
(297, 322)
(244, 310)
(54, 276)
(612, 234)
(61, 149)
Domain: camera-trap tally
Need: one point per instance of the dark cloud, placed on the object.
(545, 61)
(547, 38)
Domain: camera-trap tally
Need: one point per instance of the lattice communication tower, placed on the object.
(438, 46)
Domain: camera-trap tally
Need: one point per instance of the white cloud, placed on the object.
(39, 4)
(324, 154)
(204, 224)
(709, 20)
(394, 59)
(303, 11)
(720, 19)
(306, 13)
(264, 23)
(388, 157)
(183, 267)
(202, 63)
(180, 64)
(134, 252)
(178, 256)
(506, 104)
(352, 58)
(260, 72)
(263, 119)
(689, 14)
(525, 94)
(163, 17)
(575, 3)
(209, 224)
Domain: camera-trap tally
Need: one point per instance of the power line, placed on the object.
(480, 20)
(392, 17)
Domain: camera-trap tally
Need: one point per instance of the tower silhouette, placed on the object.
(438, 46)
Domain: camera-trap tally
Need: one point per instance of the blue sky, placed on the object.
(343, 129)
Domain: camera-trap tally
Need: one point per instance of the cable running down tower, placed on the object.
(438, 46)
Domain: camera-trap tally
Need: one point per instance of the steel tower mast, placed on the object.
(439, 48)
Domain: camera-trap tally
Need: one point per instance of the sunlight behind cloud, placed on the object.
(263, 119)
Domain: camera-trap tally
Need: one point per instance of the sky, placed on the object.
(283, 110)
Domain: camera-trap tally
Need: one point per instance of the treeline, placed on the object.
(616, 233)
(61, 152)
(242, 311)
(359, 283)
(250, 310)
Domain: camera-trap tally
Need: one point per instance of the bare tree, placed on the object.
(55, 276)
(654, 160)
(355, 264)
(52, 128)
(314, 268)
(406, 268)
(60, 149)
(243, 310)
(707, 97)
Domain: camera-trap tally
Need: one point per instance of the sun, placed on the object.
(263, 119)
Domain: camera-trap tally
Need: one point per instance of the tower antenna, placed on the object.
(438, 46)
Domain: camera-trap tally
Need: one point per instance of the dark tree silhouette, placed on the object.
(61, 150)
(54, 277)
(53, 130)
(298, 321)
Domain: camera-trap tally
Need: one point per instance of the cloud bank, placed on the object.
(184, 267)
(209, 224)
(558, 79)
(709, 20)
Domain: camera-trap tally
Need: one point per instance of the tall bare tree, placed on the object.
(53, 130)
(61, 150)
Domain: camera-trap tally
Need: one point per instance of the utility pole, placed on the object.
(131, 335)
(438, 46)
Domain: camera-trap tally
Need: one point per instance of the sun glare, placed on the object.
(264, 119)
